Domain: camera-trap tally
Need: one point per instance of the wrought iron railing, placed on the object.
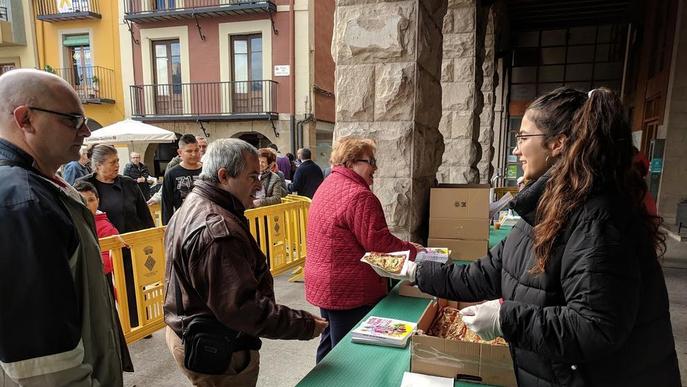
(52, 7)
(93, 84)
(204, 98)
(139, 6)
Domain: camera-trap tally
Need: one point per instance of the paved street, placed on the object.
(284, 363)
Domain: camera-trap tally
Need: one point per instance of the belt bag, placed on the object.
(208, 346)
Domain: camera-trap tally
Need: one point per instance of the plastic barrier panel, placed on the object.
(148, 261)
(279, 230)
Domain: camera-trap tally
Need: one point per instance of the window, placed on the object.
(579, 57)
(246, 52)
(165, 4)
(78, 64)
(167, 76)
(5, 67)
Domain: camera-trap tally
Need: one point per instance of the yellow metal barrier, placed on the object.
(148, 261)
(279, 230)
(156, 213)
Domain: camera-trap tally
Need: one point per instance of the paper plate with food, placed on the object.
(395, 262)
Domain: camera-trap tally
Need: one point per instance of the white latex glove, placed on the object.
(484, 319)
(409, 275)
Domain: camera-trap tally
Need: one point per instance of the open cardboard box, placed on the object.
(461, 249)
(486, 363)
(408, 290)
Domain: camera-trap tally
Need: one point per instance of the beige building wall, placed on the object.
(23, 56)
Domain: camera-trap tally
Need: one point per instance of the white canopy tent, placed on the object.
(124, 134)
(129, 132)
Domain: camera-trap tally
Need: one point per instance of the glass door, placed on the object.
(167, 77)
(247, 85)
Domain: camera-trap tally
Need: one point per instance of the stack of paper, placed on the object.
(433, 254)
(411, 379)
(383, 331)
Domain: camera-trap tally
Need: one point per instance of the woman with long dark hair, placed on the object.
(577, 288)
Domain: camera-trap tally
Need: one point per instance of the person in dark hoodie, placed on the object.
(576, 288)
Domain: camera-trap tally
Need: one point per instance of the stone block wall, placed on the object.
(388, 70)
(462, 99)
(490, 81)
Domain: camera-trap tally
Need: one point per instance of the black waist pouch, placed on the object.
(208, 346)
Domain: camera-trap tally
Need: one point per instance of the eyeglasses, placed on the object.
(521, 137)
(77, 120)
(372, 161)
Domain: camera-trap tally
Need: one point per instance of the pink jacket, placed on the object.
(104, 228)
(346, 220)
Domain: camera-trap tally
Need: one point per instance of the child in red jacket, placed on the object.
(103, 226)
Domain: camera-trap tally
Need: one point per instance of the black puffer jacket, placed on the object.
(599, 314)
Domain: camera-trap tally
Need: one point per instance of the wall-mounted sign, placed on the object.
(65, 6)
(656, 166)
(512, 171)
(282, 70)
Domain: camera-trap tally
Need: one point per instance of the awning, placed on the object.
(76, 40)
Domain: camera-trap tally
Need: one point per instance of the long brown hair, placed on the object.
(598, 155)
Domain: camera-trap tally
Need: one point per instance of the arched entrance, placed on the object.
(256, 139)
(163, 154)
(93, 125)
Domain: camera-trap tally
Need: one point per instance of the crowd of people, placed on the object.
(576, 288)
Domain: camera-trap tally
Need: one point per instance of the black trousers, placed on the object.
(340, 323)
(130, 286)
(127, 364)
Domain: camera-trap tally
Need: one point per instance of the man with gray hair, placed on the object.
(57, 316)
(215, 269)
(77, 168)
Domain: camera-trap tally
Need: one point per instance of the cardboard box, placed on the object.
(407, 290)
(486, 363)
(459, 201)
(461, 249)
(449, 228)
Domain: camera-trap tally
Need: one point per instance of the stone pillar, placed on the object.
(388, 68)
(489, 84)
(462, 101)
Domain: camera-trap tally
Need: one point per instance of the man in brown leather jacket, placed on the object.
(221, 271)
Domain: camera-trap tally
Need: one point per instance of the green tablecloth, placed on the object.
(360, 365)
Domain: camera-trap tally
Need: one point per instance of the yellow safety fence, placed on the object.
(279, 230)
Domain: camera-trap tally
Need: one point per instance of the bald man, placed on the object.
(139, 172)
(57, 320)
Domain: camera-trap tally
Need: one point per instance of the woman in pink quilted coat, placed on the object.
(345, 221)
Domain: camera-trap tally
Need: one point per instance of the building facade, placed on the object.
(241, 69)
(79, 41)
(17, 40)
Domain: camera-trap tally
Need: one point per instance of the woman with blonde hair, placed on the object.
(346, 220)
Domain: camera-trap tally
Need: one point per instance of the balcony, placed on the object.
(93, 84)
(55, 11)
(157, 10)
(213, 101)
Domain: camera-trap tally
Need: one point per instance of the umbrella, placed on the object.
(130, 131)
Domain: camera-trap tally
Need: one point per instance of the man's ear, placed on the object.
(21, 118)
(222, 175)
(557, 145)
